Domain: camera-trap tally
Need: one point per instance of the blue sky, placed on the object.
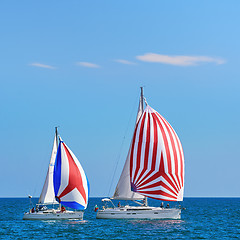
(80, 64)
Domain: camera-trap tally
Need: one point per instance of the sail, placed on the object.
(123, 189)
(70, 181)
(156, 159)
(47, 195)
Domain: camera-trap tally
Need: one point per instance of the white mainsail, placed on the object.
(123, 189)
(48, 196)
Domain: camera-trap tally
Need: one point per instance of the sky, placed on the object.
(80, 64)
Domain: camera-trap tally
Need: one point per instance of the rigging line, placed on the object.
(120, 151)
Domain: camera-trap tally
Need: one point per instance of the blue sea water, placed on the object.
(204, 218)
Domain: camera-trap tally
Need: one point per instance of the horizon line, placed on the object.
(150, 198)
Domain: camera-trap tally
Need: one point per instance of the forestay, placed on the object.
(70, 181)
(156, 159)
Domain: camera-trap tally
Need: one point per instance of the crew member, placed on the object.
(63, 209)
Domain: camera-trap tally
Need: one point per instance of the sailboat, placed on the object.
(154, 168)
(66, 185)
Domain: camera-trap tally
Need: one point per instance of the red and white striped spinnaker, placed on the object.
(156, 159)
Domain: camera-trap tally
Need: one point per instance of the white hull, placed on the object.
(53, 215)
(128, 212)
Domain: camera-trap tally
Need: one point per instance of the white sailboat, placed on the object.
(154, 168)
(65, 185)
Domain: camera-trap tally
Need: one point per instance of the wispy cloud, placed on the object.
(124, 61)
(179, 60)
(42, 65)
(88, 64)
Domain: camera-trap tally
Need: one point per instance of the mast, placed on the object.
(141, 98)
(145, 201)
(56, 134)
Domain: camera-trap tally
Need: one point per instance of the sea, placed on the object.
(202, 218)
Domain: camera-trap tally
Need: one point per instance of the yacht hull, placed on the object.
(139, 213)
(53, 215)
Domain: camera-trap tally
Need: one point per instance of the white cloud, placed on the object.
(88, 64)
(178, 60)
(124, 61)
(42, 65)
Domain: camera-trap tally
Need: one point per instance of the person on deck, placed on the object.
(96, 208)
(145, 202)
(63, 209)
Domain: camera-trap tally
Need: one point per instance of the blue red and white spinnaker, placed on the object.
(66, 185)
(70, 181)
